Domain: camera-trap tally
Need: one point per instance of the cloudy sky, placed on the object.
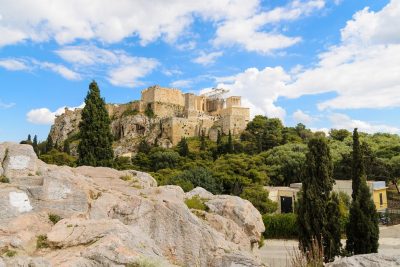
(325, 63)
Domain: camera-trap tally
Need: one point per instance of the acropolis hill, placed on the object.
(162, 115)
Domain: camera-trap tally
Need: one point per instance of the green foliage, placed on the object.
(312, 208)
(362, 229)
(95, 147)
(236, 171)
(258, 196)
(198, 176)
(339, 135)
(149, 112)
(196, 203)
(129, 112)
(11, 253)
(126, 177)
(144, 147)
(41, 242)
(332, 231)
(49, 144)
(163, 159)
(123, 163)
(285, 163)
(4, 179)
(203, 144)
(54, 218)
(280, 225)
(183, 148)
(58, 158)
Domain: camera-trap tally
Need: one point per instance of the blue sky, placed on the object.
(327, 64)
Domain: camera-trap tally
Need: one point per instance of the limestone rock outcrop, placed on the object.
(375, 260)
(86, 216)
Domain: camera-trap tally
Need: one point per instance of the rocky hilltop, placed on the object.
(62, 216)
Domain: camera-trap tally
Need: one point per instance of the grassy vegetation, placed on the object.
(196, 203)
(41, 242)
(54, 218)
(4, 179)
(10, 253)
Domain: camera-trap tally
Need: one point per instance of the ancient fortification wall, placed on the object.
(177, 115)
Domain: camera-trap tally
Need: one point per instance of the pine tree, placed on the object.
(35, 145)
(362, 230)
(49, 144)
(358, 169)
(230, 143)
(29, 138)
(332, 233)
(95, 147)
(183, 148)
(203, 144)
(317, 184)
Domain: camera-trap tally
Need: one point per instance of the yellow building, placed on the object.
(286, 196)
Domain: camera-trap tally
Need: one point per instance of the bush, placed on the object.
(58, 158)
(198, 176)
(11, 253)
(4, 179)
(258, 196)
(41, 242)
(196, 203)
(54, 218)
(125, 177)
(280, 225)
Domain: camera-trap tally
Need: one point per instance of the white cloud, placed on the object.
(342, 121)
(302, 117)
(45, 116)
(363, 69)
(121, 68)
(207, 58)
(129, 73)
(181, 84)
(259, 89)
(6, 105)
(246, 31)
(13, 64)
(16, 64)
(68, 20)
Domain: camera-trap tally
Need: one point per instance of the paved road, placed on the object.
(277, 253)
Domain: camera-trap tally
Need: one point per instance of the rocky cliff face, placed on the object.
(115, 218)
(128, 130)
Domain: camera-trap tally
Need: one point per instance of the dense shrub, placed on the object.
(199, 176)
(258, 196)
(58, 158)
(280, 225)
(54, 218)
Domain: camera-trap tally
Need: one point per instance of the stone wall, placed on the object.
(165, 95)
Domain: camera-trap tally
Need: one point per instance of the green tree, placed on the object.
(29, 138)
(230, 147)
(67, 148)
(200, 176)
(332, 233)
(317, 185)
(203, 145)
(144, 147)
(362, 229)
(358, 170)
(163, 159)
(183, 147)
(95, 147)
(339, 135)
(258, 196)
(35, 145)
(49, 144)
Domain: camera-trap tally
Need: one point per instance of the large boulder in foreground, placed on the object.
(373, 260)
(90, 216)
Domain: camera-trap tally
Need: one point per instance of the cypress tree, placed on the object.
(362, 230)
(332, 233)
(35, 145)
(358, 169)
(67, 148)
(312, 206)
(183, 148)
(219, 138)
(203, 144)
(95, 147)
(49, 144)
(29, 138)
(230, 143)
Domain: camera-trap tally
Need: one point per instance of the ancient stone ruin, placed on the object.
(176, 115)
